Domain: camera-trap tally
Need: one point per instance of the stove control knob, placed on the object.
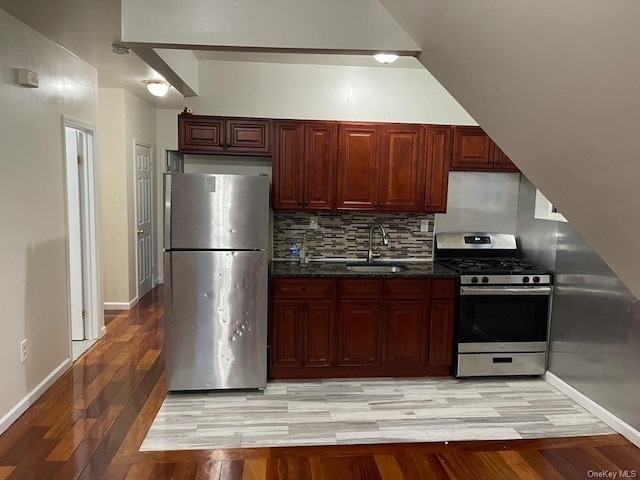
(525, 279)
(536, 279)
(474, 279)
(485, 279)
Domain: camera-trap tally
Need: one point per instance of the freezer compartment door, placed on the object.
(215, 321)
(216, 211)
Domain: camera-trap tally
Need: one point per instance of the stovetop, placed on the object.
(491, 266)
(486, 259)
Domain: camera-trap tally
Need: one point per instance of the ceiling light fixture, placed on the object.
(386, 57)
(157, 88)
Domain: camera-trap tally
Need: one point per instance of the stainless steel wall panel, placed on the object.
(595, 321)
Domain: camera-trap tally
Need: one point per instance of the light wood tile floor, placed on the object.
(366, 411)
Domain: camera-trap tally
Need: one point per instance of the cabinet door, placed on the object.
(441, 334)
(320, 155)
(501, 162)
(286, 333)
(200, 134)
(288, 157)
(319, 334)
(439, 148)
(248, 136)
(360, 333)
(358, 166)
(472, 149)
(402, 162)
(405, 332)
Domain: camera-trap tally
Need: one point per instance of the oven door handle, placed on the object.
(505, 291)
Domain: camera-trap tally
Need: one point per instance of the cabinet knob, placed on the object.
(303, 288)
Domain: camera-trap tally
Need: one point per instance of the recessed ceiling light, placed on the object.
(386, 57)
(158, 88)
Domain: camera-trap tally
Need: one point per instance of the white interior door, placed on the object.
(74, 140)
(144, 225)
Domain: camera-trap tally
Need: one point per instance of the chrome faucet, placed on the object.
(385, 241)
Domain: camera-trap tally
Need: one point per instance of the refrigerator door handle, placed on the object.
(168, 289)
(167, 211)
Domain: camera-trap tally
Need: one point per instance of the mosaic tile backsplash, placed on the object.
(346, 235)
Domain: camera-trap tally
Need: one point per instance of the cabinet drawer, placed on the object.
(352, 288)
(443, 288)
(406, 288)
(303, 288)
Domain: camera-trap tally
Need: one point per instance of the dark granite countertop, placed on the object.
(339, 269)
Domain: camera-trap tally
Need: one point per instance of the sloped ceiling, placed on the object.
(556, 85)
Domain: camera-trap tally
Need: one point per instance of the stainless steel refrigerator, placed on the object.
(216, 231)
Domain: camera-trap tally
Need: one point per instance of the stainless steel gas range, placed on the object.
(502, 323)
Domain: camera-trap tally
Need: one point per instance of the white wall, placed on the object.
(124, 118)
(113, 187)
(327, 24)
(324, 92)
(33, 237)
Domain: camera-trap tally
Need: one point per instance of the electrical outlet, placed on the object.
(24, 352)
(313, 223)
(424, 225)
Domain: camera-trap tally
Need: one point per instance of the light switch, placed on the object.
(424, 225)
(313, 223)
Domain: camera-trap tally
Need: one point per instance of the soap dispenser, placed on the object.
(293, 249)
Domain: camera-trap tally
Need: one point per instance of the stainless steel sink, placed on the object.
(376, 268)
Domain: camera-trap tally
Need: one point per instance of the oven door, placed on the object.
(503, 319)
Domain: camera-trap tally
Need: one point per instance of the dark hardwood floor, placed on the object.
(91, 422)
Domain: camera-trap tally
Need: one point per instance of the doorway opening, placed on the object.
(85, 312)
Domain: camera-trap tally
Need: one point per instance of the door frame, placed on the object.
(154, 252)
(94, 323)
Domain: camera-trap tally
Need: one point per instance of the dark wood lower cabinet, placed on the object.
(359, 340)
(405, 328)
(318, 333)
(322, 328)
(302, 333)
(441, 336)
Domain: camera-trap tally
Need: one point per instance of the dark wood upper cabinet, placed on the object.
(288, 165)
(402, 164)
(381, 167)
(320, 156)
(304, 162)
(358, 166)
(200, 134)
(474, 150)
(248, 137)
(223, 135)
(501, 161)
(439, 150)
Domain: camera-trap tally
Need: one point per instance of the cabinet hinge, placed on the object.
(80, 160)
(84, 313)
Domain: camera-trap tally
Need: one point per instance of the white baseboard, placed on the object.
(103, 331)
(120, 306)
(602, 413)
(33, 395)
